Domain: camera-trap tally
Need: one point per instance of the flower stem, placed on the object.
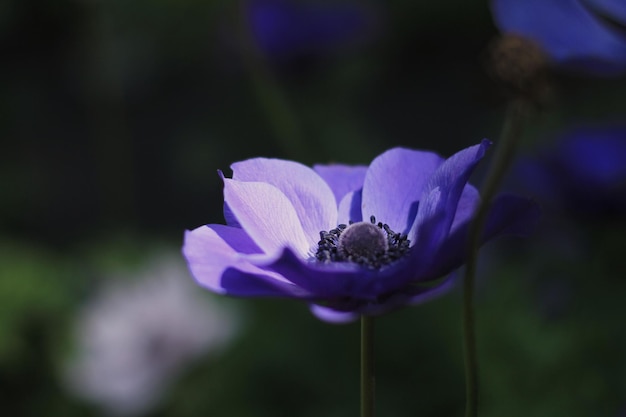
(367, 366)
(511, 132)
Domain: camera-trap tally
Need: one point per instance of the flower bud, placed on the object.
(521, 66)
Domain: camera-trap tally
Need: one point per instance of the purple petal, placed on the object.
(441, 198)
(342, 179)
(470, 198)
(394, 183)
(350, 208)
(283, 28)
(509, 215)
(266, 215)
(229, 217)
(258, 284)
(423, 295)
(216, 258)
(333, 316)
(595, 156)
(310, 196)
(612, 9)
(411, 296)
(342, 312)
(338, 280)
(234, 237)
(567, 31)
(428, 225)
(583, 171)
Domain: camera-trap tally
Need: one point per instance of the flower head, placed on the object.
(578, 35)
(135, 336)
(583, 172)
(349, 240)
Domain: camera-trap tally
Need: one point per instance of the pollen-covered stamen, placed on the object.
(370, 244)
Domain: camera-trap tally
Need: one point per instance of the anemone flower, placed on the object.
(587, 36)
(288, 28)
(348, 240)
(583, 171)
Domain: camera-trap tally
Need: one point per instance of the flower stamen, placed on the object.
(372, 244)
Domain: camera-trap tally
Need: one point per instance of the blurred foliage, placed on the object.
(31, 290)
(115, 116)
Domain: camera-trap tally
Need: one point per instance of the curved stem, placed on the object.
(511, 132)
(367, 366)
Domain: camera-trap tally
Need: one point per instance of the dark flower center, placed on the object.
(369, 244)
(363, 240)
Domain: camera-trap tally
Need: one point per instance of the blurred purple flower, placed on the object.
(584, 171)
(288, 28)
(287, 236)
(587, 36)
(137, 335)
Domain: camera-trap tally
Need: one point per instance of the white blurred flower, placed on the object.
(137, 334)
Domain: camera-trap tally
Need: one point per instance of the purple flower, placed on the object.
(583, 172)
(284, 28)
(348, 240)
(578, 35)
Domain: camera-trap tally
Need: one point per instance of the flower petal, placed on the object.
(412, 295)
(229, 217)
(593, 156)
(426, 294)
(441, 197)
(428, 224)
(615, 9)
(393, 184)
(342, 312)
(567, 31)
(350, 208)
(342, 179)
(284, 28)
(216, 258)
(509, 215)
(470, 198)
(583, 172)
(310, 196)
(333, 316)
(337, 280)
(266, 215)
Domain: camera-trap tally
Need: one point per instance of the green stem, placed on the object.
(505, 150)
(367, 366)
